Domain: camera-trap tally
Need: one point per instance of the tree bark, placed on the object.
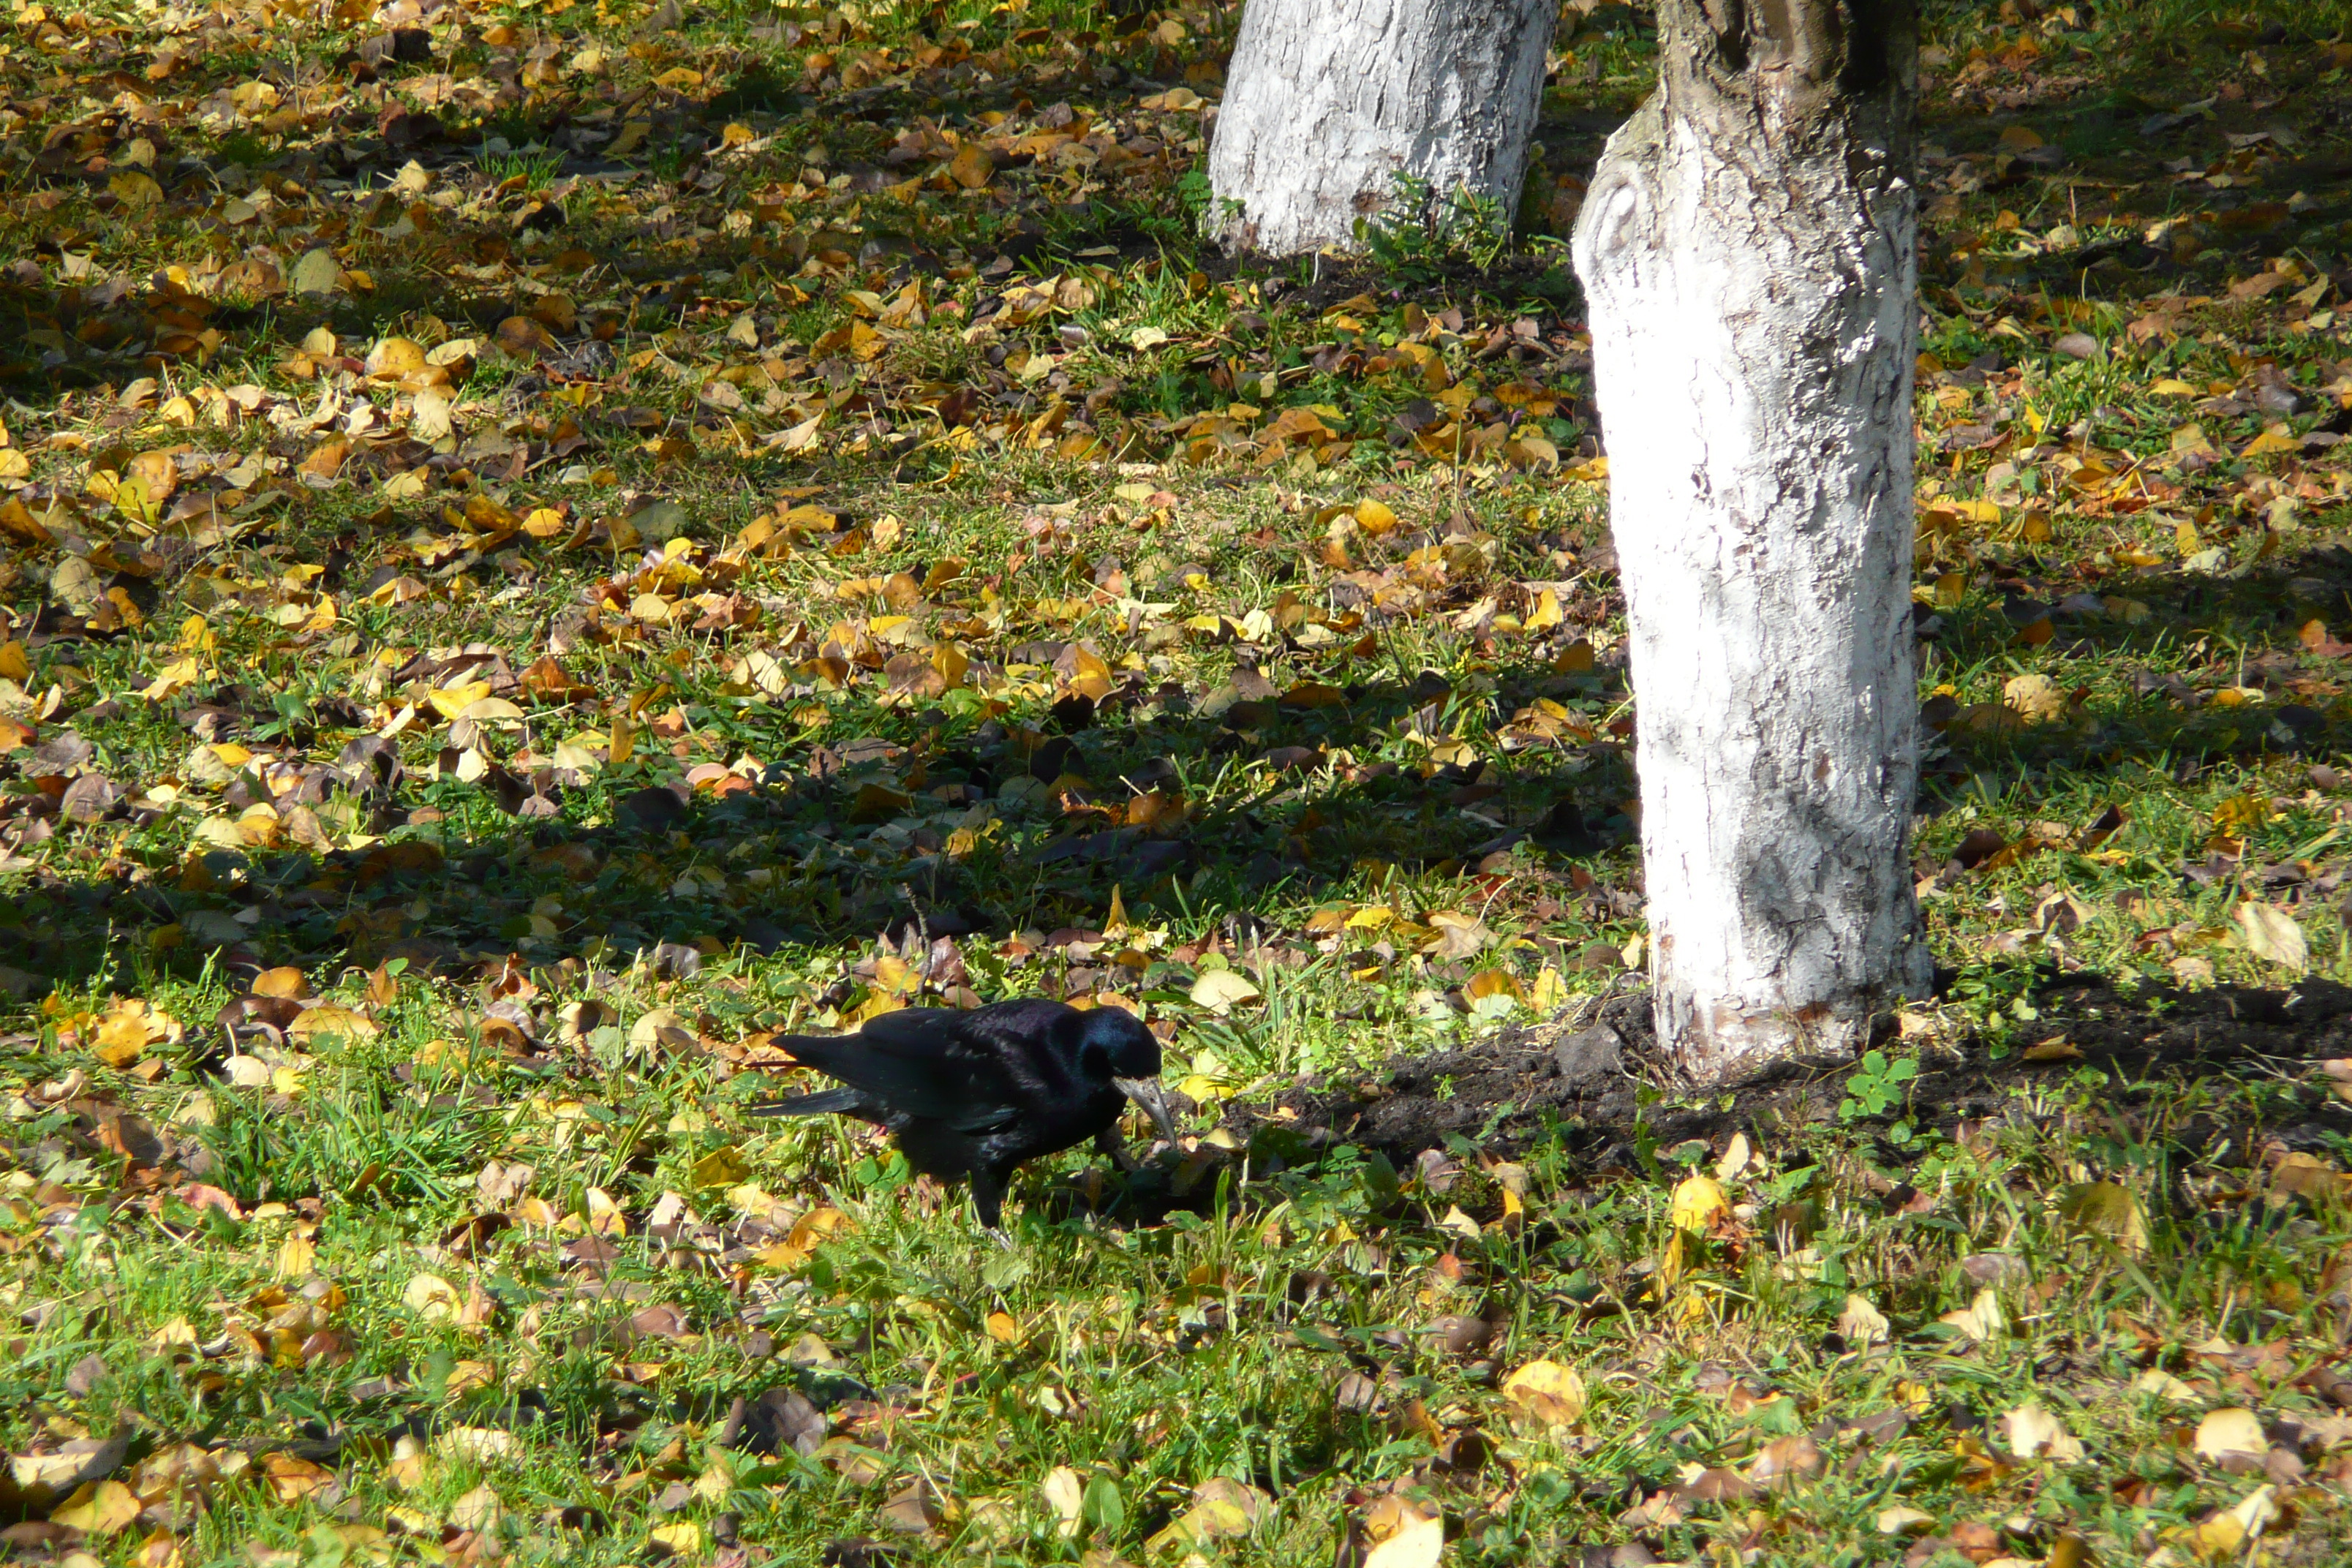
(1329, 101)
(1748, 254)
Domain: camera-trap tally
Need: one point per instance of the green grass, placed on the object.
(1329, 754)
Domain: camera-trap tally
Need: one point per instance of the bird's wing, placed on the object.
(923, 1062)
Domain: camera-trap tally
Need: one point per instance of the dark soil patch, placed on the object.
(1582, 1075)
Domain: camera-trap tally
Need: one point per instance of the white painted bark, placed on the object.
(1329, 101)
(1748, 254)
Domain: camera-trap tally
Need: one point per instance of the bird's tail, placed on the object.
(822, 1103)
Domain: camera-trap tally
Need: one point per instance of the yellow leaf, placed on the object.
(1491, 983)
(1223, 990)
(2106, 1209)
(2226, 1534)
(722, 1167)
(1546, 1393)
(1002, 1328)
(327, 1019)
(431, 1297)
(2271, 935)
(135, 191)
(451, 700)
(2229, 1432)
(684, 1540)
(1065, 1493)
(119, 1041)
(1698, 1204)
(99, 1507)
(1419, 1543)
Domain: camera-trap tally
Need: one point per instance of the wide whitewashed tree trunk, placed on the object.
(1748, 254)
(1329, 101)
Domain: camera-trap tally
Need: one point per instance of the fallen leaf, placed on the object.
(2232, 1431)
(2106, 1209)
(1982, 1319)
(1223, 990)
(1419, 1541)
(1699, 1204)
(2034, 1433)
(2273, 935)
(1862, 1323)
(1546, 1394)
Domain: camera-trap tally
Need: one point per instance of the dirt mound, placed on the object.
(1582, 1072)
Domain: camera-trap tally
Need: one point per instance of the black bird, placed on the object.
(974, 1094)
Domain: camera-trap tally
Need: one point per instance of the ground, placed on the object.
(544, 546)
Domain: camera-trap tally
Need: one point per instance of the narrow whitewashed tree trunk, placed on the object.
(1329, 101)
(1748, 254)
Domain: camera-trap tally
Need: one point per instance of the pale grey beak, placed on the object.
(1145, 1092)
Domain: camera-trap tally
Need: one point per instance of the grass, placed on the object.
(504, 613)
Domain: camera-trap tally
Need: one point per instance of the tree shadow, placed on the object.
(940, 822)
(2180, 671)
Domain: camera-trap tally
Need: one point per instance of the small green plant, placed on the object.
(537, 170)
(1193, 195)
(1417, 233)
(1876, 1086)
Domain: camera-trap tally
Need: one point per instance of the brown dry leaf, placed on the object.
(1786, 1460)
(286, 982)
(292, 1477)
(971, 167)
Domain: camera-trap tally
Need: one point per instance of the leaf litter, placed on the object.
(547, 546)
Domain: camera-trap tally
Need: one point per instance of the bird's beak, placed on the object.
(1145, 1092)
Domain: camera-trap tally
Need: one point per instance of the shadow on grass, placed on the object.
(2208, 671)
(885, 833)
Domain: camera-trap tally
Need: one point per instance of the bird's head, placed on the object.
(1113, 1044)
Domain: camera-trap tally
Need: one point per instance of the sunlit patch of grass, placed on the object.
(315, 1245)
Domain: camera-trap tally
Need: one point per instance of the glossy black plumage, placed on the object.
(971, 1095)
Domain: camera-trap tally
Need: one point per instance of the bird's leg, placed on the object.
(1108, 1142)
(988, 1198)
